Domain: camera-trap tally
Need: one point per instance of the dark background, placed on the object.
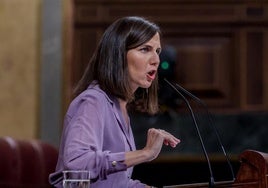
(186, 163)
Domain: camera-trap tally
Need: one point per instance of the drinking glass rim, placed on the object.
(64, 171)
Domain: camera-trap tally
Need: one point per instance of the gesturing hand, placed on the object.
(155, 140)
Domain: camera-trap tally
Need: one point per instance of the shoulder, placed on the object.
(95, 93)
(93, 97)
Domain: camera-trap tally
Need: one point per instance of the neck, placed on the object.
(122, 103)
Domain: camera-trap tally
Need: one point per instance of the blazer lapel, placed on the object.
(119, 118)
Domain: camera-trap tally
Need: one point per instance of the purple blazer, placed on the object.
(95, 137)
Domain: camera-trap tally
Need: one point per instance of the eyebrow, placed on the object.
(150, 46)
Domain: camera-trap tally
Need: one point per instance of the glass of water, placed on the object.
(76, 179)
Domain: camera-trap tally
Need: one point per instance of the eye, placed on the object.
(145, 49)
(158, 51)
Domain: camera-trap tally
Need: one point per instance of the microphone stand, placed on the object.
(211, 180)
(211, 124)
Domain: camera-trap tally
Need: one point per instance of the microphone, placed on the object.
(199, 101)
(211, 180)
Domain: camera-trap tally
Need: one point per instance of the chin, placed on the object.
(146, 86)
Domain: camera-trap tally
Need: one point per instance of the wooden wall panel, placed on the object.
(220, 45)
(20, 64)
(265, 68)
(204, 64)
(170, 11)
(254, 68)
(86, 40)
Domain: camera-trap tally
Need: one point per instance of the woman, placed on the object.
(97, 135)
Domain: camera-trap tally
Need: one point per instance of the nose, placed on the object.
(155, 60)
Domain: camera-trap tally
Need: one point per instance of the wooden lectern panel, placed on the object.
(254, 168)
(253, 173)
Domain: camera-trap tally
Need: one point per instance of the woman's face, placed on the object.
(143, 62)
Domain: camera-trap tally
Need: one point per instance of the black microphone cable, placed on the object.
(211, 180)
(211, 123)
(199, 101)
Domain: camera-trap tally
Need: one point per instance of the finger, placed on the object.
(170, 143)
(168, 136)
(166, 142)
(169, 139)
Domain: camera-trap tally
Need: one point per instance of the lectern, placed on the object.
(253, 173)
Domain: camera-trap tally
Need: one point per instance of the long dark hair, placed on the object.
(108, 65)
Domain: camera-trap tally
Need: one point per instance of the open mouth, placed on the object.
(151, 74)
